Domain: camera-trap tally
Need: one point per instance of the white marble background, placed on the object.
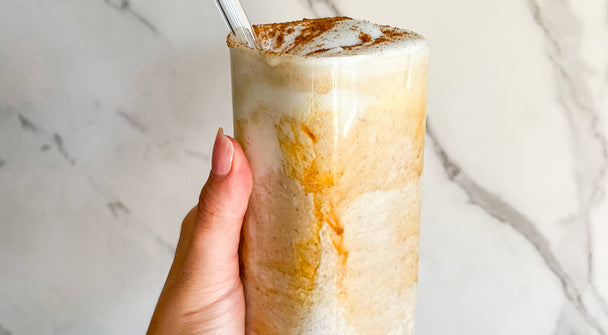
(108, 109)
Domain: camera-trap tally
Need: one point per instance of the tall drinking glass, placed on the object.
(330, 239)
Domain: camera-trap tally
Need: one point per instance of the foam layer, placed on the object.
(335, 36)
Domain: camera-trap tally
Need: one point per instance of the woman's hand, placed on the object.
(203, 293)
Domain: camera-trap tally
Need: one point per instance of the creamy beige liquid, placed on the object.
(335, 135)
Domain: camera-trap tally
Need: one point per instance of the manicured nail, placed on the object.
(223, 151)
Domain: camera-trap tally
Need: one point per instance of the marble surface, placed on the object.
(108, 110)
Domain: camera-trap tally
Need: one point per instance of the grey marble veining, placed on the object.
(125, 7)
(562, 29)
(108, 110)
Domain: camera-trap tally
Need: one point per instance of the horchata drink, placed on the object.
(331, 114)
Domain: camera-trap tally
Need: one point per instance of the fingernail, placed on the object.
(223, 151)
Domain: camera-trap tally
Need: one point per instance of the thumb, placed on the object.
(207, 258)
(203, 285)
(223, 201)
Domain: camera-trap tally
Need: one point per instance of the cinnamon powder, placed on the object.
(311, 29)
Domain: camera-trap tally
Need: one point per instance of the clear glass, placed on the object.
(330, 240)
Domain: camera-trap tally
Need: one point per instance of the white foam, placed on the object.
(348, 107)
(342, 39)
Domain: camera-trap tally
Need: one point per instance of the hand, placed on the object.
(203, 293)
